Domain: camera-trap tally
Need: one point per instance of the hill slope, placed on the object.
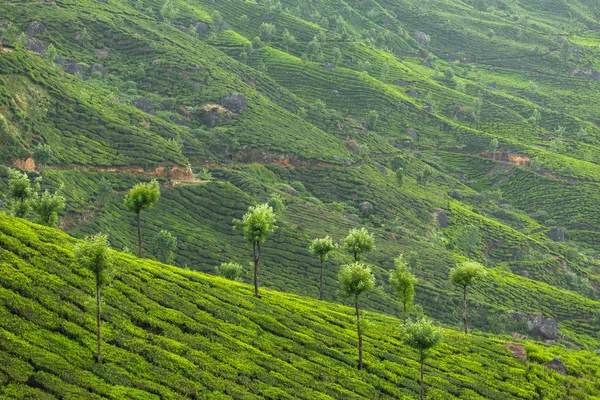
(171, 333)
(488, 110)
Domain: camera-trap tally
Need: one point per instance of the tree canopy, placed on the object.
(142, 195)
(358, 242)
(94, 254)
(466, 273)
(258, 223)
(356, 279)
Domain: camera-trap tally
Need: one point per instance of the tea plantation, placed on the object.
(452, 130)
(172, 333)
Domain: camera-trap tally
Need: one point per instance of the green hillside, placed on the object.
(451, 130)
(171, 333)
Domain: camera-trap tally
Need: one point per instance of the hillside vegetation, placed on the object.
(451, 130)
(171, 333)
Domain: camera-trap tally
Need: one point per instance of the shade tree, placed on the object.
(321, 247)
(464, 275)
(358, 242)
(94, 254)
(402, 282)
(422, 336)
(355, 280)
(142, 196)
(257, 224)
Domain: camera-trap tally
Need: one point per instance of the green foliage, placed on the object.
(321, 247)
(94, 253)
(467, 273)
(169, 10)
(358, 242)
(372, 118)
(469, 241)
(355, 280)
(42, 154)
(422, 335)
(165, 245)
(142, 196)
(230, 270)
(50, 53)
(21, 192)
(267, 31)
(174, 331)
(104, 190)
(91, 125)
(400, 176)
(402, 282)
(257, 224)
(217, 21)
(277, 204)
(47, 208)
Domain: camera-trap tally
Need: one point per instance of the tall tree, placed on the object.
(94, 254)
(321, 248)
(21, 192)
(464, 275)
(358, 242)
(47, 208)
(257, 224)
(422, 336)
(140, 197)
(403, 282)
(165, 243)
(355, 280)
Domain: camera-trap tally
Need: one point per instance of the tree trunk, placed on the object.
(139, 226)
(404, 302)
(360, 358)
(98, 321)
(256, 254)
(321, 281)
(421, 386)
(465, 309)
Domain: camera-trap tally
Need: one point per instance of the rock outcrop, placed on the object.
(235, 102)
(557, 365)
(35, 28)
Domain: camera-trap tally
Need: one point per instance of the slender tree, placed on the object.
(403, 282)
(321, 248)
(94, 254)
(165, 243)
(464, 275)
(422, 336)
(21, 191)
(47, 208)
(358, 242)
(140, 197)
(257, 224)
(355, 280)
